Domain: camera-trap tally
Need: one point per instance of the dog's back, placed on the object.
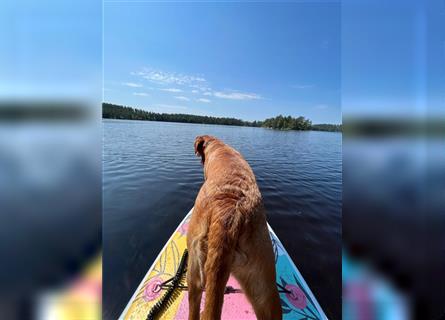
(229, 177)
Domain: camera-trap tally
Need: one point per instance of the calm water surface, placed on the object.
(152, 176)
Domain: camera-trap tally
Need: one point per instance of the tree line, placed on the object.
(287, 123)
(327, 127)
(113, 111)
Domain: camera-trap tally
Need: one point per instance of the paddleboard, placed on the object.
(297, 300)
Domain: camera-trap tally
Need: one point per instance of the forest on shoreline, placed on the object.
(113, 111)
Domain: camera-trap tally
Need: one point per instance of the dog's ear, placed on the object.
(200, 144)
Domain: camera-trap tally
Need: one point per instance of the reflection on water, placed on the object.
(393, 216)
(152, 176)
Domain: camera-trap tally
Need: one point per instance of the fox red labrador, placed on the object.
(228, 234)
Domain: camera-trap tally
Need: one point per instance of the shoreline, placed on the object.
(222, 125)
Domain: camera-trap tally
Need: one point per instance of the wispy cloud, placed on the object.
(141, 94)
(132, 84)
(164, 77)
(203, 100)
(236, 95)
(196, 84)
(182, 98)
(200, 87)
(302, 86)
(174, 90)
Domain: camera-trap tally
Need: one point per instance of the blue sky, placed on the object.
(393, 56)
(51, 50)
(243, 60)
(257, 59)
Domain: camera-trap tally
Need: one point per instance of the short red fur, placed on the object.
(228, 234)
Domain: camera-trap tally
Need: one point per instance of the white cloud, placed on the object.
(201, 86)
(182, 98)
(163, 77)
(237, 95)
(174, 90)
(141, 94)
(198, 84)
(203, 100)
(132, 84)
(302, 86)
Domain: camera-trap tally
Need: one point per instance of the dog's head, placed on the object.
(201, 143)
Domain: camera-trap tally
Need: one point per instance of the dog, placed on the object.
(228, 234)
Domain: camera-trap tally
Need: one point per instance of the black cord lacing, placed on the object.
(168, 296)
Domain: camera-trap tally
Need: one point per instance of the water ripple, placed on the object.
(152, 176)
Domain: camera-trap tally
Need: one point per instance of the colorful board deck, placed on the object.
(300, 303)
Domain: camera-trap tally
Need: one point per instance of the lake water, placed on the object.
(152, 176)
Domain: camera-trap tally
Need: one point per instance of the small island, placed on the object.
(113, 111)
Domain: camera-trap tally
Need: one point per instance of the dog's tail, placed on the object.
(224, 230)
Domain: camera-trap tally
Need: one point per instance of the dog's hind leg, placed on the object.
(263, 296)
(257, 279)
(217, 270)
(195, 270)
(195, 287)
